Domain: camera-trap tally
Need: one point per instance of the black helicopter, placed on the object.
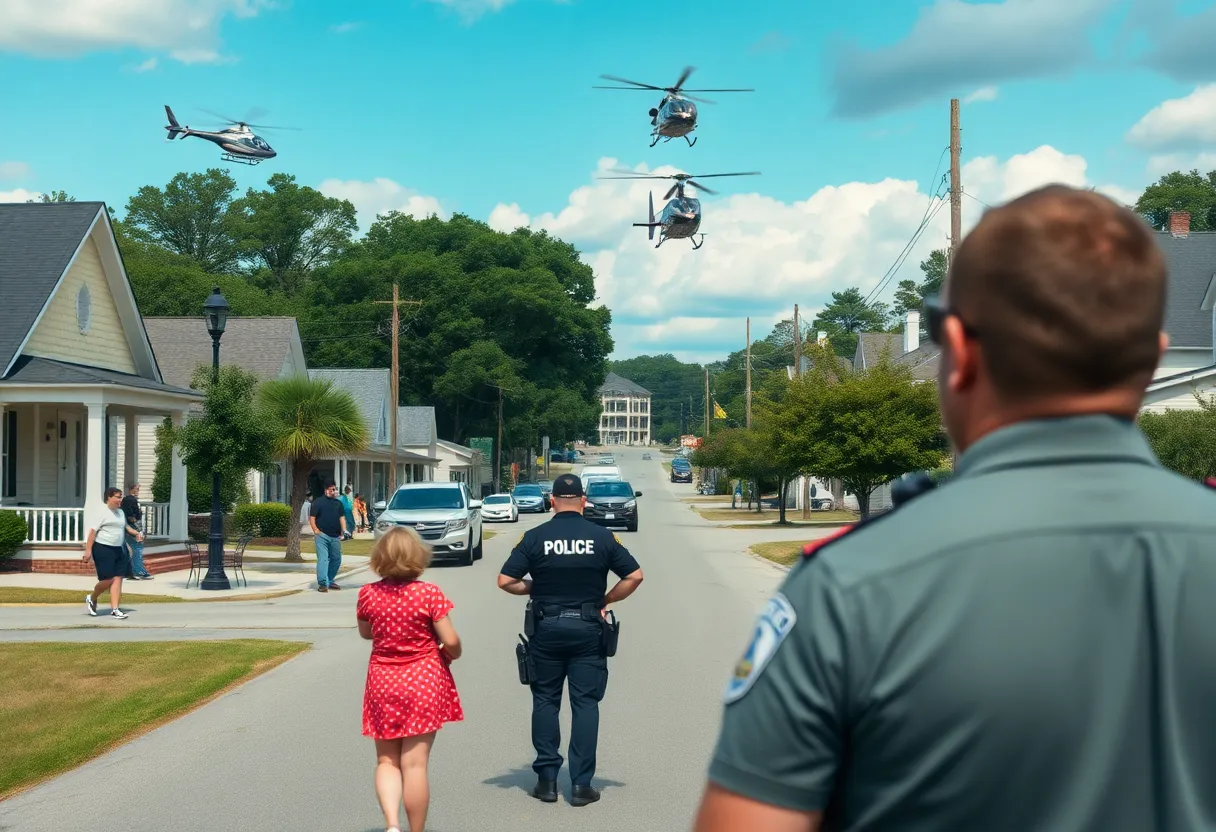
(681, 217)
(239, 143)
(676, 115)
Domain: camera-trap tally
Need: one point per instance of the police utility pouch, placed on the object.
(530, 619)
(523, 657)
(612, 633)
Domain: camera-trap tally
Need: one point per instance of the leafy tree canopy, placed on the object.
(229, 437)
(677, 400)
(189, 217)
(847, 315)
(910, 295)
(1178, 191)
(1184, 440)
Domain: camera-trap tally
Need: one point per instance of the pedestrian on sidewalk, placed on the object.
(410, 692)
(361, 523)
(327, 517)
(104, 546)
(135, 542)
(348, 506)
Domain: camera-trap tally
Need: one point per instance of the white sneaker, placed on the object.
(117, 614)
(90, 605)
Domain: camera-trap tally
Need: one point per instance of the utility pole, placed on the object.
(707, 412)
(956, 185)
(393, 381)
(498, 446)
(748, 359)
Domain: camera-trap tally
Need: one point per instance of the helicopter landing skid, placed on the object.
(691, 142)
(656, 140)
(695, 244)
(240, 160)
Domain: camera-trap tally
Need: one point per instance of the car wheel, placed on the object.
(633, 527)
(515, 517)
(466, 559)
(480, 550)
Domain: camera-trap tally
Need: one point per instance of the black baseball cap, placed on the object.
(567, 485)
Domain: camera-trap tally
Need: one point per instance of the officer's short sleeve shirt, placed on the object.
(1027, 647)
(569, 559)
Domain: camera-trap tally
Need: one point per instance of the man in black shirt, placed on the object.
(135, 543)
(569, 559)
(328, 520)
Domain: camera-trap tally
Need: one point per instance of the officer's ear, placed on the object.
(964, 355)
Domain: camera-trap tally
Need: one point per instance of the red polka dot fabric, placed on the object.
(410, 690)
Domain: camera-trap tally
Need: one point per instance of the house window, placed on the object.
(10, 454)
(84, 308)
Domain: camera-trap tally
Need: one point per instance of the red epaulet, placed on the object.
(814, 546)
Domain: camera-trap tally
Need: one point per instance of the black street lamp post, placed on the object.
(215, 311)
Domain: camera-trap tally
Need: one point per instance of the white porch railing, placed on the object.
(53, 525)
(66, 525)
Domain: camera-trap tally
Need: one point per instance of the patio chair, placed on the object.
(198, 562)
(235, 559)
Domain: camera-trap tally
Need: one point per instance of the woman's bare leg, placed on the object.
(115, 593)
(415, 754)
(388, 780)
(100, 589)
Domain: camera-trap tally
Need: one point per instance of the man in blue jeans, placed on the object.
(135, 542)
(327, 517)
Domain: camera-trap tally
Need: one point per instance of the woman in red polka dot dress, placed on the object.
(410, 692)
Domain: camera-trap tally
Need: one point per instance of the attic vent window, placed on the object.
(84, 309)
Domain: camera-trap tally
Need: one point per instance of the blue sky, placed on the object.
(486, 107)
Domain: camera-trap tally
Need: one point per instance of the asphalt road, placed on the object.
(284, 752)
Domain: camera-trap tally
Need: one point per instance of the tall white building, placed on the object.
(625, 419)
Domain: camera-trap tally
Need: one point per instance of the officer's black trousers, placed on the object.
(567, 648)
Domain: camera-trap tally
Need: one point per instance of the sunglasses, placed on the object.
(936, 313)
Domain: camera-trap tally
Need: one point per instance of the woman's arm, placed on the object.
(365, 628)
(88, 545)
(448, 640)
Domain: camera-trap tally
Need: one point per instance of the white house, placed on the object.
(76, 368)
(268, 347)
(625, 417)
(417, 433)
(458, 463)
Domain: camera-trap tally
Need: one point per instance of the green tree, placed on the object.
(864, 428)
(1178, 191)
(290, 230)
(198, 485)
(910, 295)
(847, 315)
(188, 217)
(1184, 440)
(308, 420)
(677, 393)
(53, 196)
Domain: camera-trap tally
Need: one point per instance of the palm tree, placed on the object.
(308, 420)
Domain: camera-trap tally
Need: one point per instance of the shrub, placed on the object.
(262, 519)
(13, 532)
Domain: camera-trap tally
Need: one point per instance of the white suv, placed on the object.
(444, 514)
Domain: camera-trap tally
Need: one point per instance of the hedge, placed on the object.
(262, 519)
(13, 532)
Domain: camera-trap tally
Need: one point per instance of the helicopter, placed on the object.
(676, 115)
(680, 218)
(239, 143)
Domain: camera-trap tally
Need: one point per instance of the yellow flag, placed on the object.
(719, 413)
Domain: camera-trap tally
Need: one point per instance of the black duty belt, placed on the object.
(589, 611)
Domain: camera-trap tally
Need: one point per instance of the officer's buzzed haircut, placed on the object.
(1065, 291)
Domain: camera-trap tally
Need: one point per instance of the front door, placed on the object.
(70, 463)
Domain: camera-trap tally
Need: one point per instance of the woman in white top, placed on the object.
(107, 531)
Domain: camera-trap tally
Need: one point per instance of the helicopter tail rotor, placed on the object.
(652, 215)
(175, 129)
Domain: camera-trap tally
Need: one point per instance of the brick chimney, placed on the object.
(911, 330)
(1180, 223)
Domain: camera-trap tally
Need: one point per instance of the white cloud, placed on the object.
(343, 28)
(1180, 123)
(188, 30)
(982, 94)
(762, 255)
(380, 196)
(19, 195)
(147, 66)
(14, 170)
(470, 10)
(1162, 164)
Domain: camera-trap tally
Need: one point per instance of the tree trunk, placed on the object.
(782, 483)
(299, 487)
(759, 497)
(863, 501)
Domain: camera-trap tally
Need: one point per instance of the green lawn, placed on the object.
(784, 552)
(741, 515)
(37, 595)
(64, 704)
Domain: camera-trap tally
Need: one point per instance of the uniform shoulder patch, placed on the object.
(773, 625)
(812, 548)
(617, 538)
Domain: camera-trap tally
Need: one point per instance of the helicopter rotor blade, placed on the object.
(271, 127)
(712, 175)
(633, 177)
(702, 188)
(256, 112)
(696, 98)
(688, 70)
(632, 83)
(670, 193)
(226, 119)
(731, 90)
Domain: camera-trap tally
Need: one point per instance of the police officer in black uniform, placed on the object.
(569, 559)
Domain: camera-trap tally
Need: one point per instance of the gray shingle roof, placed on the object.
(1192, 263)
(369, 389)
(37, 241)
(415, 425)
(923, 360)
(259, 345)
(617, 385)
(872, 346)
(33, 370)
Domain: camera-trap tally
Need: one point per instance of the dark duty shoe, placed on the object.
(545, 791)
(582, 795)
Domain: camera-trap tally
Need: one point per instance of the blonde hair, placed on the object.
(400, 555)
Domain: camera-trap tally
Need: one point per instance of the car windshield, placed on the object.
(680, 463)
(527, 491)
(421, 499)
(609, 488)
(497, 498)
(547, 485)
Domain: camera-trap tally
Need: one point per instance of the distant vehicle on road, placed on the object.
(645, 456)
(606, 459)
(612, 503)
(681, 470)
(444, 514)
(500, 508)
(546, 487)
(529, 497)
(601, 471)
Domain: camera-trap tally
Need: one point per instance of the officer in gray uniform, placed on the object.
(569, 559)
(1030, 646)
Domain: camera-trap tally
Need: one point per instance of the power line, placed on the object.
(930, 214)
(977, 199)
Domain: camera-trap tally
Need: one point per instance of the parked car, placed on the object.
(529, 497)
(612, 503)
(681, 470)
(444, 514)
(500, 508)
(645, 456)
(606, 459)
(546, 488)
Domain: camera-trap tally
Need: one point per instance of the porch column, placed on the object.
(4, 457)
(179, 516)
(95, 464)
(130, 466)
(39, 434)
